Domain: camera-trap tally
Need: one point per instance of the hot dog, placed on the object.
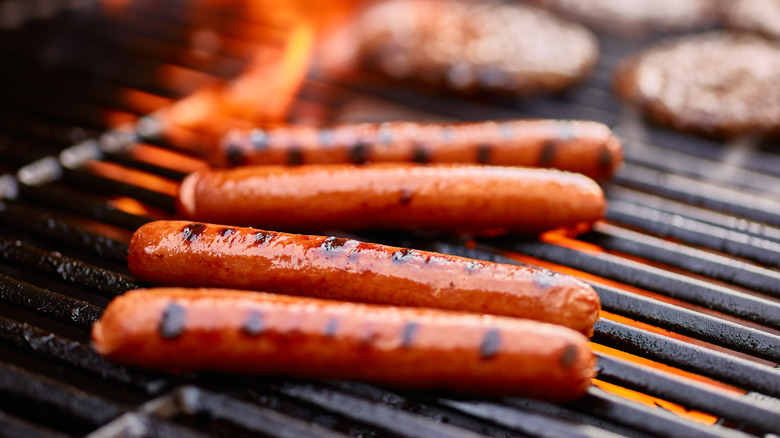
(180, 253)
(477, 199)
(576, 146)
(235, 331)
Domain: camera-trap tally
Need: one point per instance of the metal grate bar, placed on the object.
(50, 346)
(719, 366)
(687, 322)
(655, 421)
(72, 270)
(62, 308)
(697, 214)
(254, 418)
(398, 422)
(677, 286)
(75, 410)
(530, 423)
(719, 172)
(667, 224)
(83, 204)
(711, 265)
(689, 190)
(44, 224)
(15, 427)
(690, 394)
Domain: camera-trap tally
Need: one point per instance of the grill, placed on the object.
(685, 264)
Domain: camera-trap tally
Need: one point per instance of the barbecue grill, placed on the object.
(686, 263)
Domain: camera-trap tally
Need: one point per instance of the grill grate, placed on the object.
(686, 263)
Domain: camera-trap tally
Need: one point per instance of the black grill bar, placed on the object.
(54, 226)
(71, 270)
(106, 185)
(690, 394)
(74, 410)
(400, 423)
(753, 277)
(687, 322)
(700, 193)
(59, 307)
(15, 427)
(719, 172)
(716, 365)
(654, 421)
(667, 283)
(50, 346)
(86, 205)
(698, 215)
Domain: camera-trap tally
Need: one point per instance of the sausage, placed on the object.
(445, 197)
(261, 333)
(584, 147)
(181, 253)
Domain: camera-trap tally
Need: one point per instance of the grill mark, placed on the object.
(234, 154)
(172, 321)
(547, 155)
(333, 242)
(408, 333)
(568, 356)
(253, 323)
(259, 139)
(421, 155)
(262, 237)
(484, 153)
(358, 153)
(191, 232)
(331, 328)
(403, 255)
(295, 156)
(227, 232)
(491, 343)
(605, 158)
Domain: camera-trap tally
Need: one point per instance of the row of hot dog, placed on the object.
(487, 327)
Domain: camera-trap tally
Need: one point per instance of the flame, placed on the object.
(134, 177)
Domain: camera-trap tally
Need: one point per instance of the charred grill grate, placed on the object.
(686, 264)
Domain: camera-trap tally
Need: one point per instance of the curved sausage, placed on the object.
(470, 198)
(180, 253)
(584, 147)
(260, 333)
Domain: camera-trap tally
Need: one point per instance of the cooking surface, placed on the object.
(686, 263)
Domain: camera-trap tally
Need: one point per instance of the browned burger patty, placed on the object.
(475, 46)
(762, 16)
(636, 17)
(716, 84)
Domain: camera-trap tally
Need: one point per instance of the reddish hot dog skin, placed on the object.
(584, 147)
(443, 197)
(235, 331)
(180, 253)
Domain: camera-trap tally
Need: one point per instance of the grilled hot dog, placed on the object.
(446, 197)
(576, 146)
(234, 331)
(180, 253)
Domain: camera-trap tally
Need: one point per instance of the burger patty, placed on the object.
(475, 46)
(638, 17)
(762, 16)
(716, 84)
